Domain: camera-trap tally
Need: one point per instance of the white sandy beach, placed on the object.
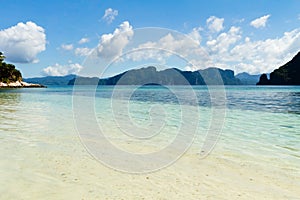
(43, 171)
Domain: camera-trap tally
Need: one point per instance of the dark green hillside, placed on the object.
(288, 74)
(172, 76)
(8, 72)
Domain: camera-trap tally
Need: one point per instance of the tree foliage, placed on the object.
(8, 72)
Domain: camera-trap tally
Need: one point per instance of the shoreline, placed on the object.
(21, 84)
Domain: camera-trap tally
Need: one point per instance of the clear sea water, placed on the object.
(260, 122)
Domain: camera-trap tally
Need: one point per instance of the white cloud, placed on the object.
(83, 40)
(222, 43)
(110, 15)
(62, 70)
(67, 47)
(227, 50)
(215, 24)
(230, 50)
(112, 45)
(23, 42)
(265, 55)
(171, 46)
(83, 51)
(195, 35)
(260, 22)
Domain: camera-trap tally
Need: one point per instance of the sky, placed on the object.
(63, 37)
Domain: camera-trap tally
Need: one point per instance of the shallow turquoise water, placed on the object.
(260, 122)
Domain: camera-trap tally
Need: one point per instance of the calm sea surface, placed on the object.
(261, 122)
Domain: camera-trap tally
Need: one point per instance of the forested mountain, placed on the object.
(172, 76)
(288, 74)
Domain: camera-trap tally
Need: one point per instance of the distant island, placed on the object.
(245, 79)
(10, 77)
(288, 74)
(248, 79)
(51, 80)
(172, 76)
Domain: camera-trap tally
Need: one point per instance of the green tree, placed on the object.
(2, 57)
(8, 72)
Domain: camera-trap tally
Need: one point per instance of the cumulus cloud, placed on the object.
(260, 22)
(62, 70)
(172, 46)
(215, 24)
(23, 42)
(112, 45)
(67, 47)
(83, 40)
(224, 41)
(83, 51)
(265, 55)
(110, 15)
(227, 50)
(195, 35)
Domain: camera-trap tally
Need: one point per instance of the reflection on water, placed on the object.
(9, 97)
(23, 110)
(8, 101)
(9, 105)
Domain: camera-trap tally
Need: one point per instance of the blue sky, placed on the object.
(54, 37)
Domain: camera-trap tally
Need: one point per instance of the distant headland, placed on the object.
(10, 77)
(288, 74)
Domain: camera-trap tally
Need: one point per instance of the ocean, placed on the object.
(60, 141)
